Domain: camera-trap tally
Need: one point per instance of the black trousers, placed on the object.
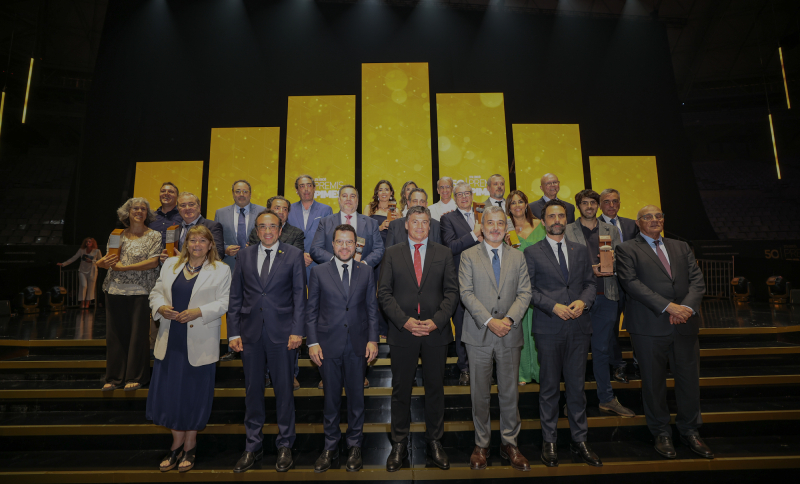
(127, 339)
(404, 370)
(683, 354)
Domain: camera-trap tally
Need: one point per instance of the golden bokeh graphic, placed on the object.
(548, 148)
(320, 141)
(242, 154)
(395, 127)
(635, 177)
(472, 138)
(150, 175)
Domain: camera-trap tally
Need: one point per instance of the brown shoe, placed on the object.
(512, 453)
(615, 407)
(477, 460)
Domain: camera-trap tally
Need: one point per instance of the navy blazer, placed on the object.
(366, 227)
(317, 212)
(225, 216)
(398, 233)
(456, 234)
(629, 228)
(216, 233)
(549, 287)
(279, 304)
(331, 317)
(536, 207)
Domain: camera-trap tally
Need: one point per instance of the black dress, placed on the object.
(383, 326)
(180, 394)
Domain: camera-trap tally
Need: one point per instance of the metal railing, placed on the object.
(69, 281)
(717, 275)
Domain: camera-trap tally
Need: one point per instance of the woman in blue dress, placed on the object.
(189, 299)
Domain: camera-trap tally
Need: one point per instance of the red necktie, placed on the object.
(418, 268)
(663, 258)
(348, 217)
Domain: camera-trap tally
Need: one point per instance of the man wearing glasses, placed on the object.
(446, 203)
(550, 187)
(237, 221)
(664, 289)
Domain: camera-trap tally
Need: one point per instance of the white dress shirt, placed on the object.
(422, 251)
(353, 220)
(340, 267)
(554, 246)
(236, 216)
(491, 201)
(262, 254)
(306, 214)
(438, 209)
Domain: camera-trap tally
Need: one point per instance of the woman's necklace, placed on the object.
(193, 270)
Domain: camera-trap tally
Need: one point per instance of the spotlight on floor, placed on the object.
(741, 289)
(779, 290)
(28, 299)
(55, 297)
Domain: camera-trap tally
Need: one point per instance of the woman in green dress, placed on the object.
(530, 230)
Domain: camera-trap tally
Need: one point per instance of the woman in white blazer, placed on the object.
(189, 299)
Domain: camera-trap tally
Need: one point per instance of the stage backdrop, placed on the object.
(150, 175)
(169, 72)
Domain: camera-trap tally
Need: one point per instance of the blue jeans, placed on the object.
(604, 317)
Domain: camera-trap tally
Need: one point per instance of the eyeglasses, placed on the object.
(344, 243)
(650, 216)
(463, 194)
(241, 192)
(270, 227)
(552, 183)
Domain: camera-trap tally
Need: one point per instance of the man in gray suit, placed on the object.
(563, 293)
(237, 220)
(397, 228)
(587, 231)
(664, 289)
(496, 290)
(497, 192)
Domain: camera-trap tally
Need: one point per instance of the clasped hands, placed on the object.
(315, 352)
(110, 261)
(500, 327)
(573, 311)
(678, 314)
(182, 317)
(420, 328)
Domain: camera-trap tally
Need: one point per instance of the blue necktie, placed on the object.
(563, 263)
(614, 223)
(241, 230)
(346, 281)
(496, 267)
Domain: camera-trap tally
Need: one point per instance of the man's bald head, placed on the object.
(550, 185)
(646, 209)
(650, 221)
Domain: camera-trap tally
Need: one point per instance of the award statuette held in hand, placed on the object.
(114, 242)
(478, 207)
(392, 209)
(171, 238)
(606, 256)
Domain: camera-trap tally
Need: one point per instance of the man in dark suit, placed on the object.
(397, 228)
(418, 292)
(189, 208)
(266, 319)
(306, 214)
(290, 234)
(563, 292)
(367, 228)
(460, 231)
(237, 221)
(341, 342)
(550, 187)
(665, 288)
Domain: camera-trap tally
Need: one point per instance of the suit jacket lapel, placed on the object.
(650, 251)
(548, 252)
(427, 263)
(333, 271)
(279, 257)
(504, 269)
(202, 278)
(410, 262)
(486, 262)
(357, 268)
(463, 221)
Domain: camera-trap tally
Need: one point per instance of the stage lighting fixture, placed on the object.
(785, 85)
(28, 299)
(55, 297)
(741, 289)
(2, 105)
(27, 92)
(779, 290)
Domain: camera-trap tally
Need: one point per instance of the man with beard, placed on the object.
(550, 187)
(586, 231)
(563, 291)
(497, 191)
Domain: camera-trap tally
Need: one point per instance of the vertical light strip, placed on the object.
(785, 85)
(2, 105)
(27, 92)
(774, 147)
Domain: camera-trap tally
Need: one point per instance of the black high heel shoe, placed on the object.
(188, 456)
(172, 459)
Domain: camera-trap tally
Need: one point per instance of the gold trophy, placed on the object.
(392, 209)
(171, 238)
(114, 242)
(478, 208)
(606, 257)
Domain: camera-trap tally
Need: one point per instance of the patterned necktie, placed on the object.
(348, 217)
(346, 281)
(265, 267)
(418, 268)
(562, 262)
(469, 220)
(614, 223)
(496, 267)
(241, 230)
(662, 257)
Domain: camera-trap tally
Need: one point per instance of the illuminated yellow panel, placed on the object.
(242, 154)
(395, 127)
(320, 141)
(635, 177)
(472, 138)
(548, 148)
(150, 175)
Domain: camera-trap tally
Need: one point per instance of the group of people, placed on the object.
(520, 281)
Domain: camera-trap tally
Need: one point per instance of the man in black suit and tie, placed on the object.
(665, 288)
(189, 208)
(460, 231)
(266, 321)
(550, 187)
(342, 337)
(289, 234)
(418, 292)
(397, 228)
(563, 292)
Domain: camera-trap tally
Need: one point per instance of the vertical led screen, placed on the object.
(635, 177)
(150, 175)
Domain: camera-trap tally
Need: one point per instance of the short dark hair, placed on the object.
(417, 210)
(268, 212)
(172, 185)
(552, 203)
(420, 190)
(242, 181)
(347, 186)
(279, 197)
(344, 228)
(297, 181)
(588, 193)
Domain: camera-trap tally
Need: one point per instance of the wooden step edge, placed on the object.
(418, 427)
(408, 474)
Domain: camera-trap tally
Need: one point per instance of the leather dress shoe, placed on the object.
(284, 462)
(324, 460)
(437, 455)
(620, 376)
(477, 460)
(247, 460)
(697, 445)
(463, 378)
(615, 407)
(395, 460)
(354, 462)
(664, 447)
(549, 454)
(229, 356)
(515, 457)
(585, 453)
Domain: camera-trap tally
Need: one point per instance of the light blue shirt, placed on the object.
(663, 251)
(422, 250)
